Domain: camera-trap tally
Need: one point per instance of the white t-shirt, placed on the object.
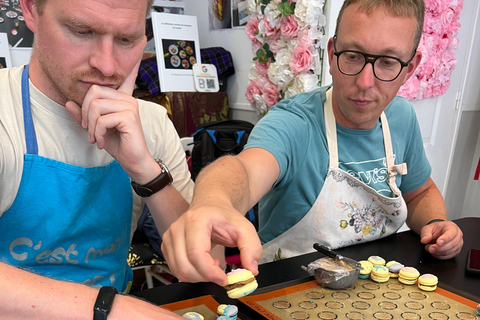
(59, 137)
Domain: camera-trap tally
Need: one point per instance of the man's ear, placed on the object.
(330, 53)
(29, 11)
(412, 66)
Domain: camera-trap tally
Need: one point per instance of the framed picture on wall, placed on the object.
(226, 14)
(13, 24)
(5, 59)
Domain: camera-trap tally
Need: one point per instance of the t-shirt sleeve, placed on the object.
(284, 133)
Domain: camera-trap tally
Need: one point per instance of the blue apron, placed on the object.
(68, 222)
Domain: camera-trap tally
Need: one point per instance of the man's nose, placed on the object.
(103, 56)
(366, 78)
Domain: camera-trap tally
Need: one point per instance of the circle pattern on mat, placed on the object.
(281, 304)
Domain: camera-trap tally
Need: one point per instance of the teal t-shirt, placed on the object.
(293, 131)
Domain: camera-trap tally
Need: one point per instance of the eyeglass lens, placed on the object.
(384, 68)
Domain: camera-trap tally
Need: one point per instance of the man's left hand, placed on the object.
(443, 239)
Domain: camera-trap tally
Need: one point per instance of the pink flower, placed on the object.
(270, 94)
(270, 31)
(289, 26)
(262, 68)
(301, 60)
(252, 28)
(252, 89)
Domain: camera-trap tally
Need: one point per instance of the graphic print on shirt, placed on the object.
(373, 173)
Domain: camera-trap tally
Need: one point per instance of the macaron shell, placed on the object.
(428, 279)
(376, 260)
(409, 273)
(229, 310)
(193, 316)
(238, 275)
(366, 267)
(427, 288)
(243, 290)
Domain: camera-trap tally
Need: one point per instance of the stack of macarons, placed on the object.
(427, 282)
(367, 267)
(394, 268)
(227, 312)
(478, 309)
(241, 282)
(380, 274)
(408, 275)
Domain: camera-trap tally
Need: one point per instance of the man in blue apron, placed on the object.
(340, 165)
(74, 145)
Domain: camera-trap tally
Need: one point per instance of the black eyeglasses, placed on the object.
(385, 68)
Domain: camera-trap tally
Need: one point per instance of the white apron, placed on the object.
(347, 211)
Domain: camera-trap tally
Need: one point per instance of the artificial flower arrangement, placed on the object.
(288, 40)
(438, 43)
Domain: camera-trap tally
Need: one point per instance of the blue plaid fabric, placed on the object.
(221, 58)
(147, 77)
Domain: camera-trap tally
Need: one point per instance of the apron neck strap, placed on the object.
(30, 136)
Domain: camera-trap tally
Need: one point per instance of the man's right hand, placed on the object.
(187, 243)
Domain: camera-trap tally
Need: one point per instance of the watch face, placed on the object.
(104, 302)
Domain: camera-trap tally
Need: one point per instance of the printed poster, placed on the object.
(178, 49)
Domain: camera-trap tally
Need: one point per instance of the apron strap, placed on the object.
(331, 129)
(392, 168)
(30, 136)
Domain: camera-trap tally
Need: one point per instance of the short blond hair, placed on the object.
(401, 8)
(41, 4)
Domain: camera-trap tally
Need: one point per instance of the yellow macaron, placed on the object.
(380, 274)
(394, 267)
(366, 269)
(241, 282)
(376, 261)
(427, 282)
(408, 275)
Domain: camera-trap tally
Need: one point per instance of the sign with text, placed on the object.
(205, 77)
(178, 50)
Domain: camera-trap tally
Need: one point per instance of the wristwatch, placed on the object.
(104, 301)
(157, 184)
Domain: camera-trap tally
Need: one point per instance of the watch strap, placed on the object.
(157, 184)
(104, 302)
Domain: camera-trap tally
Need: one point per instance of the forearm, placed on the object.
(166, 206)
(223, 182)
(25, 295)
(424, 207)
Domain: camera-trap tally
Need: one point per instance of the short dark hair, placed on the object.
(402, 8)
(41, 4)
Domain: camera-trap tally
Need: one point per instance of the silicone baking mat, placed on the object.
(205, 305)
(364, 300)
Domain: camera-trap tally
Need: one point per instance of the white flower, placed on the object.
(273, 15)
(302, 83)
(284, 56)
(253, 74)
(280, 74)
(260, 105)
(252, 5)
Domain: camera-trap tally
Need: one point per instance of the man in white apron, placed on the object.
(73, 143)
(339, 165)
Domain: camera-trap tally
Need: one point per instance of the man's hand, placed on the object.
(187, 244)
(112, 119)
(443, 239)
